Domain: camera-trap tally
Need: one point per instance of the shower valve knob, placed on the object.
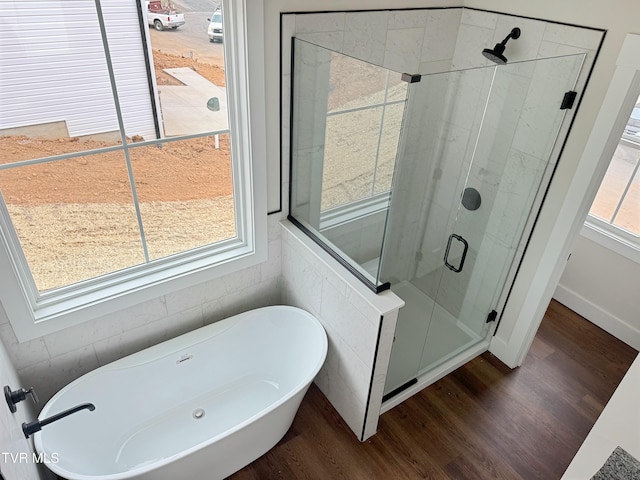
(16, 396)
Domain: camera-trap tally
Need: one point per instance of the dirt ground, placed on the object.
(162, 60)
(75, 218)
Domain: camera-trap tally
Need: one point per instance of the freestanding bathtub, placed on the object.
(200, 406)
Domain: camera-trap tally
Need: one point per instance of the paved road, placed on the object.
(196, 5)
(191, 39)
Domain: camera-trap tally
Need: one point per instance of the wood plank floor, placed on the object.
(482, 421)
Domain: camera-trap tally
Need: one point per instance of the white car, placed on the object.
(162, 17)
(215, 27)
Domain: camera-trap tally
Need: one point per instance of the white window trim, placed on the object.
(354, 210)
(599, 231)
(244, 64)
(612, 238)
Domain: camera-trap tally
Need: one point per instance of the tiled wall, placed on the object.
(361, 238)
(359, 324)
(52, 361)
(12, 441)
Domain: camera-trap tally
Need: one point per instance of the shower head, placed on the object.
(496, 54)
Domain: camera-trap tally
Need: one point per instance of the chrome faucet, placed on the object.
(36, 426)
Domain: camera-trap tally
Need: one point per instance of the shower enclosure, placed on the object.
(427, 184)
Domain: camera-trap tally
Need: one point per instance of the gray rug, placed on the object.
(619, 466)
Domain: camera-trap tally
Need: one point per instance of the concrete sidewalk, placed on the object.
(184, 107)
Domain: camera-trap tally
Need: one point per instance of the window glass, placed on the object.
(116, 153)
(365, 106)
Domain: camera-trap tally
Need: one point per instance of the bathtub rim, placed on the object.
(183, 341)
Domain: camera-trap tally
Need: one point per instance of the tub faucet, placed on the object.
(36, 426)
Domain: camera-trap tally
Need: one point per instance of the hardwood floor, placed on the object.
(482, 421)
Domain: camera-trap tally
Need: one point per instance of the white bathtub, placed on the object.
(247, 374)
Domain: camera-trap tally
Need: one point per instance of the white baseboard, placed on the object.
(596, 315)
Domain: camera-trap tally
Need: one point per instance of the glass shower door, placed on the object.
(462, 214)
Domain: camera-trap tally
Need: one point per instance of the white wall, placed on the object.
(12, 441)
(602, 286)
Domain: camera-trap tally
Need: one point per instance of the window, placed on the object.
(365, 106)
(616, 207)
(127, 168)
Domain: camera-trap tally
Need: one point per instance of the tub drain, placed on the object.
(198, 413)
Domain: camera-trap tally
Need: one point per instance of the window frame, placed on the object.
(598, 230)
(33, 315)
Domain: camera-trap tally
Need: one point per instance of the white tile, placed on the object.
(347, 404)
(440, 35)
(550, 49)
(260, 295)
(22, 354)
(49, 376)
(479, 19)
(273, 224)
(319, 22)
(304, 284)
(272, 268)
(330, 40)
(471, 41)
(403, 49)
(358, 332)
(195, 295)
(575, 36)
(213, 312)
(241, 279)
(524, 48)
(78, 336)
(365, 35)
(131, 317)
(147, 335)
(354, 373)
(400, 19)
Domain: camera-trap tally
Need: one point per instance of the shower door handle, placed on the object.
(464, 253)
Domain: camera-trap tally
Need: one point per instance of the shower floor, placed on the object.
(446, 337)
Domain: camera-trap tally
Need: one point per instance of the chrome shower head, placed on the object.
(496, 54)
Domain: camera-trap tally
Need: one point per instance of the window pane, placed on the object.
(615, 181)
(57, 99)
(185, 191)
(390, 137)
(74, 218)
(188, 60)
(55, 82)
(351, 147)
(628, 217)
(354, 83)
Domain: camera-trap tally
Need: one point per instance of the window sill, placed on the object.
(609, 240)
(50, 315)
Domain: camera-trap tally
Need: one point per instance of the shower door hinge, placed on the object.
(411, 77)
(568, 100)
(492, 316)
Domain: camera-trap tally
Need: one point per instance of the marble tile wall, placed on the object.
(52, 361)
(358, 323)
(361, 239)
